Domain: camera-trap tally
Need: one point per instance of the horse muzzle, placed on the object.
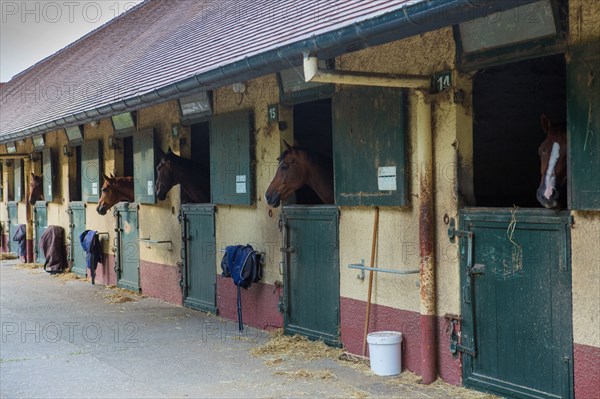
(273, 200)
(550, 203)
(101, 210)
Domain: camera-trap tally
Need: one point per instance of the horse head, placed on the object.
(553, 168)
(36, 188)
(114, 190)
(165, 177)
(297, 168)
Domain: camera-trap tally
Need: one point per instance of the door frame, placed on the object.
(118, 208)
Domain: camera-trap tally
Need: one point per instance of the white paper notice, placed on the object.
(150, 187)
(240, 184)
(386, 178)
(49, 189)
(94, 188)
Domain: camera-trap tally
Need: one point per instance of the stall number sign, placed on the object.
(94, 188)
(150, 187)
(273, 113)
(386, 178)
(441, 81)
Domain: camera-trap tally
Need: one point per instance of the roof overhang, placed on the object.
(412, 19)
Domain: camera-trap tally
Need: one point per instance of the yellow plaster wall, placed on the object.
(252, 224)
(584, 22)
(159, 221)
(398, 246)
(93, 220)
(56, 209)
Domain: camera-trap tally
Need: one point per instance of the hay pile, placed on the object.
(7, 256)
(321, 374)
(296, 346)
(68, 276)
(121, 295)
(29, 266)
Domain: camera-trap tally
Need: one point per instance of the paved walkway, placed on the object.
(62, 338)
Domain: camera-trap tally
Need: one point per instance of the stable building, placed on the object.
(429, 114)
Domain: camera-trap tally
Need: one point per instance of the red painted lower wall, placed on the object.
(5, 243)
(587, 371)
(384, 318)
(105, 271)
(161, 281)
(259, 303)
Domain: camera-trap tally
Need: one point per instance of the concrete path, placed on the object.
(61, 338)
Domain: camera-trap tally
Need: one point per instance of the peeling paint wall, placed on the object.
(252, 224)
(398, 246)
(584, 22)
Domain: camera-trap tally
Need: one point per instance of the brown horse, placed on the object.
(553, 155)
(36, 188)
(298, 167)
(193, 177)
(115, 189)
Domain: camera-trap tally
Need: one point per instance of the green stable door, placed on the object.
(40, 222)
(127, 260)
(76, 227)
(199, 258)
(311, 272)
(516, 302)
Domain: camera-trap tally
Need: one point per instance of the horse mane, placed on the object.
(316, 158)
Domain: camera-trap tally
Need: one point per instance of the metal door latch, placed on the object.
(477, 269)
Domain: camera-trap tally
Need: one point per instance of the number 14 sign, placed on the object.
(441, 81)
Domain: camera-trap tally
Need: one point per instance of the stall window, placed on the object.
(91, 156)
(144, 166)
(232, 177)
(369, 126)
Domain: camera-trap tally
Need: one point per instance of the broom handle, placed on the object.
(372, 265)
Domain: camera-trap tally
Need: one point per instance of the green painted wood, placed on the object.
(18, 182)
(40, 224)
(48, 173)
(231, 152)
(199, 256)
(369, 130)
(517, 315)
(128, 250)
(77, 211)
(13, 223)
(91, 157)
(144, 166)
(583, 115)
(311, 273)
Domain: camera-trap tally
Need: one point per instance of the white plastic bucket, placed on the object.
(385, 352)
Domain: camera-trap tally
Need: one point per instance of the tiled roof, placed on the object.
(161, 48)
(164, 41)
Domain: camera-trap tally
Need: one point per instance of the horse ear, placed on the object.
(546, 124)
(170, 151)
(287, 146)
(106, 177)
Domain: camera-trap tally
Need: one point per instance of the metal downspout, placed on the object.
(426, 241)
(27, 167)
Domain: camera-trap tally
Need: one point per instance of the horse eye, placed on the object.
(284, 166)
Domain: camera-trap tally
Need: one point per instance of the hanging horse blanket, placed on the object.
(52, 244)
(93, 250)
(20, 237)
(243, 264)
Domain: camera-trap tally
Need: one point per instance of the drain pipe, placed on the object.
(420, 84)
(426, 240)
(27, 167)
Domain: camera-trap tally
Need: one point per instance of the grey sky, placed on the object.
(32, 30)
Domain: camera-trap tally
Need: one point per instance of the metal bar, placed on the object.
(378, 269)
(149, 241)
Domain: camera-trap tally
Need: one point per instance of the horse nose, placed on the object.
(268, 198)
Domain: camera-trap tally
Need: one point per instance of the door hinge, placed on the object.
(476, 270)
(288, 249)
(453, 232)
